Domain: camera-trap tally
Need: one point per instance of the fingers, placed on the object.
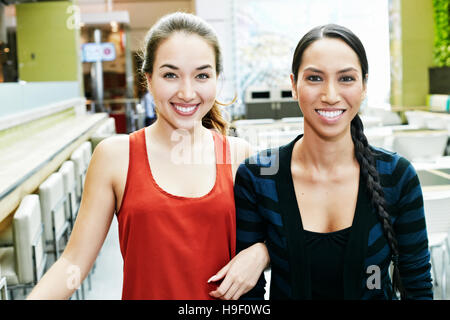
(219, 275)
(239, 293)
(226, 290)
(222, 289)
(232, 288)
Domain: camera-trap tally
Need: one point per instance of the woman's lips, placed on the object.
(184, 109)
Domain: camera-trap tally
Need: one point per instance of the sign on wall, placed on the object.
(93, 52)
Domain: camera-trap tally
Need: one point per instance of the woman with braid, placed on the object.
(334, 212)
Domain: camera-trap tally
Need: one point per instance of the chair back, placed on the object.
(437, 211)
(111, 126)
(79, 163)
(67, 170)
(87, 152)
(29, 240)
(52, 196)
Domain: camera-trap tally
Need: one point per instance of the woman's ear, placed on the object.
(294, 87)
(149, 80)
(364, 93)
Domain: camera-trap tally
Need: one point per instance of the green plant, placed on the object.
(441, 50)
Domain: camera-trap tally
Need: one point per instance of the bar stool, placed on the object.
(437, 215)
(87, 152)
(103, 132)
(111, 126)
(79, 158)
(79, 163)
(67, 170)
(53, 201)
(24, 264)
(3, 288)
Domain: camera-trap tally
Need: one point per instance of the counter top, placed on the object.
(29, 160)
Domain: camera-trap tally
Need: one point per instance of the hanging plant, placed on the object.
(439, 74)
(441, 51)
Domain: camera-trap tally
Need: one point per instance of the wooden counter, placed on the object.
(29, 159)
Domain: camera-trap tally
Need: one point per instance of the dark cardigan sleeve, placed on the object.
(411, 233)
(250, 225)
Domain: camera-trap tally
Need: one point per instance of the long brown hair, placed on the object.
(189, 24)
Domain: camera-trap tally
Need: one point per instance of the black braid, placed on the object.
(370, 176)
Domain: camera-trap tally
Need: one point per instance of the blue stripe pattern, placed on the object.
(258, 220)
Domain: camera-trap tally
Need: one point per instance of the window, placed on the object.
(267, 31)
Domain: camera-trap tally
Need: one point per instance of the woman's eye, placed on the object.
(170, 75)
(203, 76)
(314, 78)
(347, 79)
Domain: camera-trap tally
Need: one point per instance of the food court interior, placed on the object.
(69, 79)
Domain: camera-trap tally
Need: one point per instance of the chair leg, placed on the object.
(444, 274)
(433, 268)
(89, 282)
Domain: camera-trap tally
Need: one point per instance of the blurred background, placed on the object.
(69, 77)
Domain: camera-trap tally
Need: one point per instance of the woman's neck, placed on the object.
(170, 136)
(182, 146)
(320, 155)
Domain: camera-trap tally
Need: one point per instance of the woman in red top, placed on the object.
(170, 184)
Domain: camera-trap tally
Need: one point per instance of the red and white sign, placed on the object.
(93, 52)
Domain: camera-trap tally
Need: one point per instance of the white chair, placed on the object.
(53, 202)
(437, 217)
(24, 263)
(67, 170)
(87, 152)
(105, 130)
(111, 126)
(80, 170)
(3, 288)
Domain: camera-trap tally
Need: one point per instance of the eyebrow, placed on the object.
(171, 66)
(340, 71)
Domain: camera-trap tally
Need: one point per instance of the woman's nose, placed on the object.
(186, 91)
(330, 94)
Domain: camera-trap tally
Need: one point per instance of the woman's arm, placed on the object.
(241, 273)
(410, 230)
(91, 227)
(245, 270)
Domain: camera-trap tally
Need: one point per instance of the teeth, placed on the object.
(185, 109)
(330, 114)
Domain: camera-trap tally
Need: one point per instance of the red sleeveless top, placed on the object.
(172, 245)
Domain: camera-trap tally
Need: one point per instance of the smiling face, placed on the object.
(329, 87)
(183, 81)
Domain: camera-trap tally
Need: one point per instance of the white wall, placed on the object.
(219, 14)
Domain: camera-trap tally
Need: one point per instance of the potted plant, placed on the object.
(439, 74)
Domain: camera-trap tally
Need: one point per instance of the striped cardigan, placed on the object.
(267, 211)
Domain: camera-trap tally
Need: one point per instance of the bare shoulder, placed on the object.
(112, 145)
(112, 154)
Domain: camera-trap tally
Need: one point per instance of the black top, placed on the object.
(326, 256)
